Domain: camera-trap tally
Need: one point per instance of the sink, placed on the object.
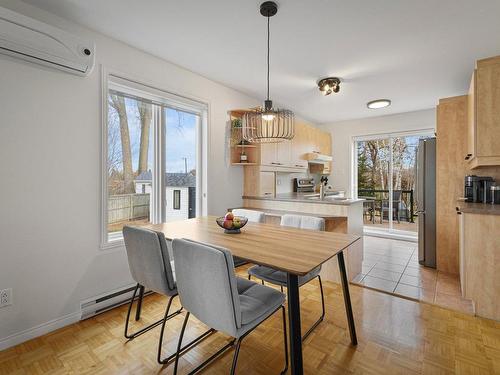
(327, 198)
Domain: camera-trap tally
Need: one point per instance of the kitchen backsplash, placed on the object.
(284, 181)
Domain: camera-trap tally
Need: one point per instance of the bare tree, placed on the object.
(118, 103)
(114, 146)
(144, 110)
(372, 148)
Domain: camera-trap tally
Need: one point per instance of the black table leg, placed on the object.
(347, 298)
(294, 324)
(139, 303)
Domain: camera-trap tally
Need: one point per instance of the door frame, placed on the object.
(390, 232)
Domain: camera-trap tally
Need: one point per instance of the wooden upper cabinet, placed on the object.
(284, 153)
(268, 154)
(290, 155)
(484, 114)
(471, 119)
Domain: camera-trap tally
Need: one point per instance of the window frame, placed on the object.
(176, 199)
(163, 98)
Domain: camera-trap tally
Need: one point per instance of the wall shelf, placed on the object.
(252, 151)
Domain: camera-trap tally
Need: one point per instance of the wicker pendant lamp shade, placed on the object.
(279, 127)
(268, 124)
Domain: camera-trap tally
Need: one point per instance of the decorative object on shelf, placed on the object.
(236, 123)
(329, 85)
(231, 224)
(243, 157)
(268, 124)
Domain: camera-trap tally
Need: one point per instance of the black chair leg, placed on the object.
(249, 277)
(139, 304)
(285, 342)
(131, 336)
(181, 336)
(235, 356)
(309, 331)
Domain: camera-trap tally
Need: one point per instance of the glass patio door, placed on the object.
(386, 178)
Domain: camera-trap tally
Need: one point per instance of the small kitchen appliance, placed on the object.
(303, 185)
(495, 194)
(477, 189)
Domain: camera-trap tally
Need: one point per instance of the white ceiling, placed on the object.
(410, 51)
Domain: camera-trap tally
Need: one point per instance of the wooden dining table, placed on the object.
(294, 251)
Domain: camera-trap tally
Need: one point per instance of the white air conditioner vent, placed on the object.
(35, 41)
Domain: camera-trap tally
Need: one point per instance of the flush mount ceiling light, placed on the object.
(329, 85)
(268, 124)
(379, 103)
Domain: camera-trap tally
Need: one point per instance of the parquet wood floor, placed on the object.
(396, 336)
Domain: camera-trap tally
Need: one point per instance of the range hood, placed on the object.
(317, 158)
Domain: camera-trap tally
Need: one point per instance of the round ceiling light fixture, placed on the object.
(379, 103)
(329, 85)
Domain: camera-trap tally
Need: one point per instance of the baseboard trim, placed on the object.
(39, 330)
(393, 236)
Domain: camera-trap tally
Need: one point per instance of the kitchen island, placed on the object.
(342, 215)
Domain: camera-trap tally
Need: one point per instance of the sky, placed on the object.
(180, 138)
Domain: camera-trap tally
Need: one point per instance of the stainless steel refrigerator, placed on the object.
(426, 201)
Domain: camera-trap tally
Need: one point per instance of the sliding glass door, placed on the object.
(385, 176)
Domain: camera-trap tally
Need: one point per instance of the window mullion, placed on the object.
(158, 175)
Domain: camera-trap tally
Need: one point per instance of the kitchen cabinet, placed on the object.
(292, 155)
(284, 153)
(267, 183)
(479, 261)
(268, 154)
(483, 148)
(259, 182)
(451, 144)
(287, 156)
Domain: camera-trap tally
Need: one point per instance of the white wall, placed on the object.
(344, 131)
(50, 129)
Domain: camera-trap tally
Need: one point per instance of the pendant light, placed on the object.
(268, 124)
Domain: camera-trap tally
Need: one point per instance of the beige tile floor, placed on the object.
(392, 266)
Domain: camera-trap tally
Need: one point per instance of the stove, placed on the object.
(303, 185)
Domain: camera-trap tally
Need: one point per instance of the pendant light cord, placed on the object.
(268, 57)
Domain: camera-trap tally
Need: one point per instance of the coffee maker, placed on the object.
(477, 189)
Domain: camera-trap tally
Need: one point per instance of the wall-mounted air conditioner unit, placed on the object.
(35, 41)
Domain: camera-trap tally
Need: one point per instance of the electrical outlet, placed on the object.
(5, 297)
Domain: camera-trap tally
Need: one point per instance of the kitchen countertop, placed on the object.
(478, 208)
(302, 197)
(279, 213)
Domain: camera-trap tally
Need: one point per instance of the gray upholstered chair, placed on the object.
(151, 268)
(209, 289)
(277, 277)
(253, 216)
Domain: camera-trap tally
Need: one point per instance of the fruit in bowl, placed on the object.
(231, 224)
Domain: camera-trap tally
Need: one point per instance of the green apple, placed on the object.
(236, 222)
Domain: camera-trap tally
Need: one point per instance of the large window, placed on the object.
(153, 152)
